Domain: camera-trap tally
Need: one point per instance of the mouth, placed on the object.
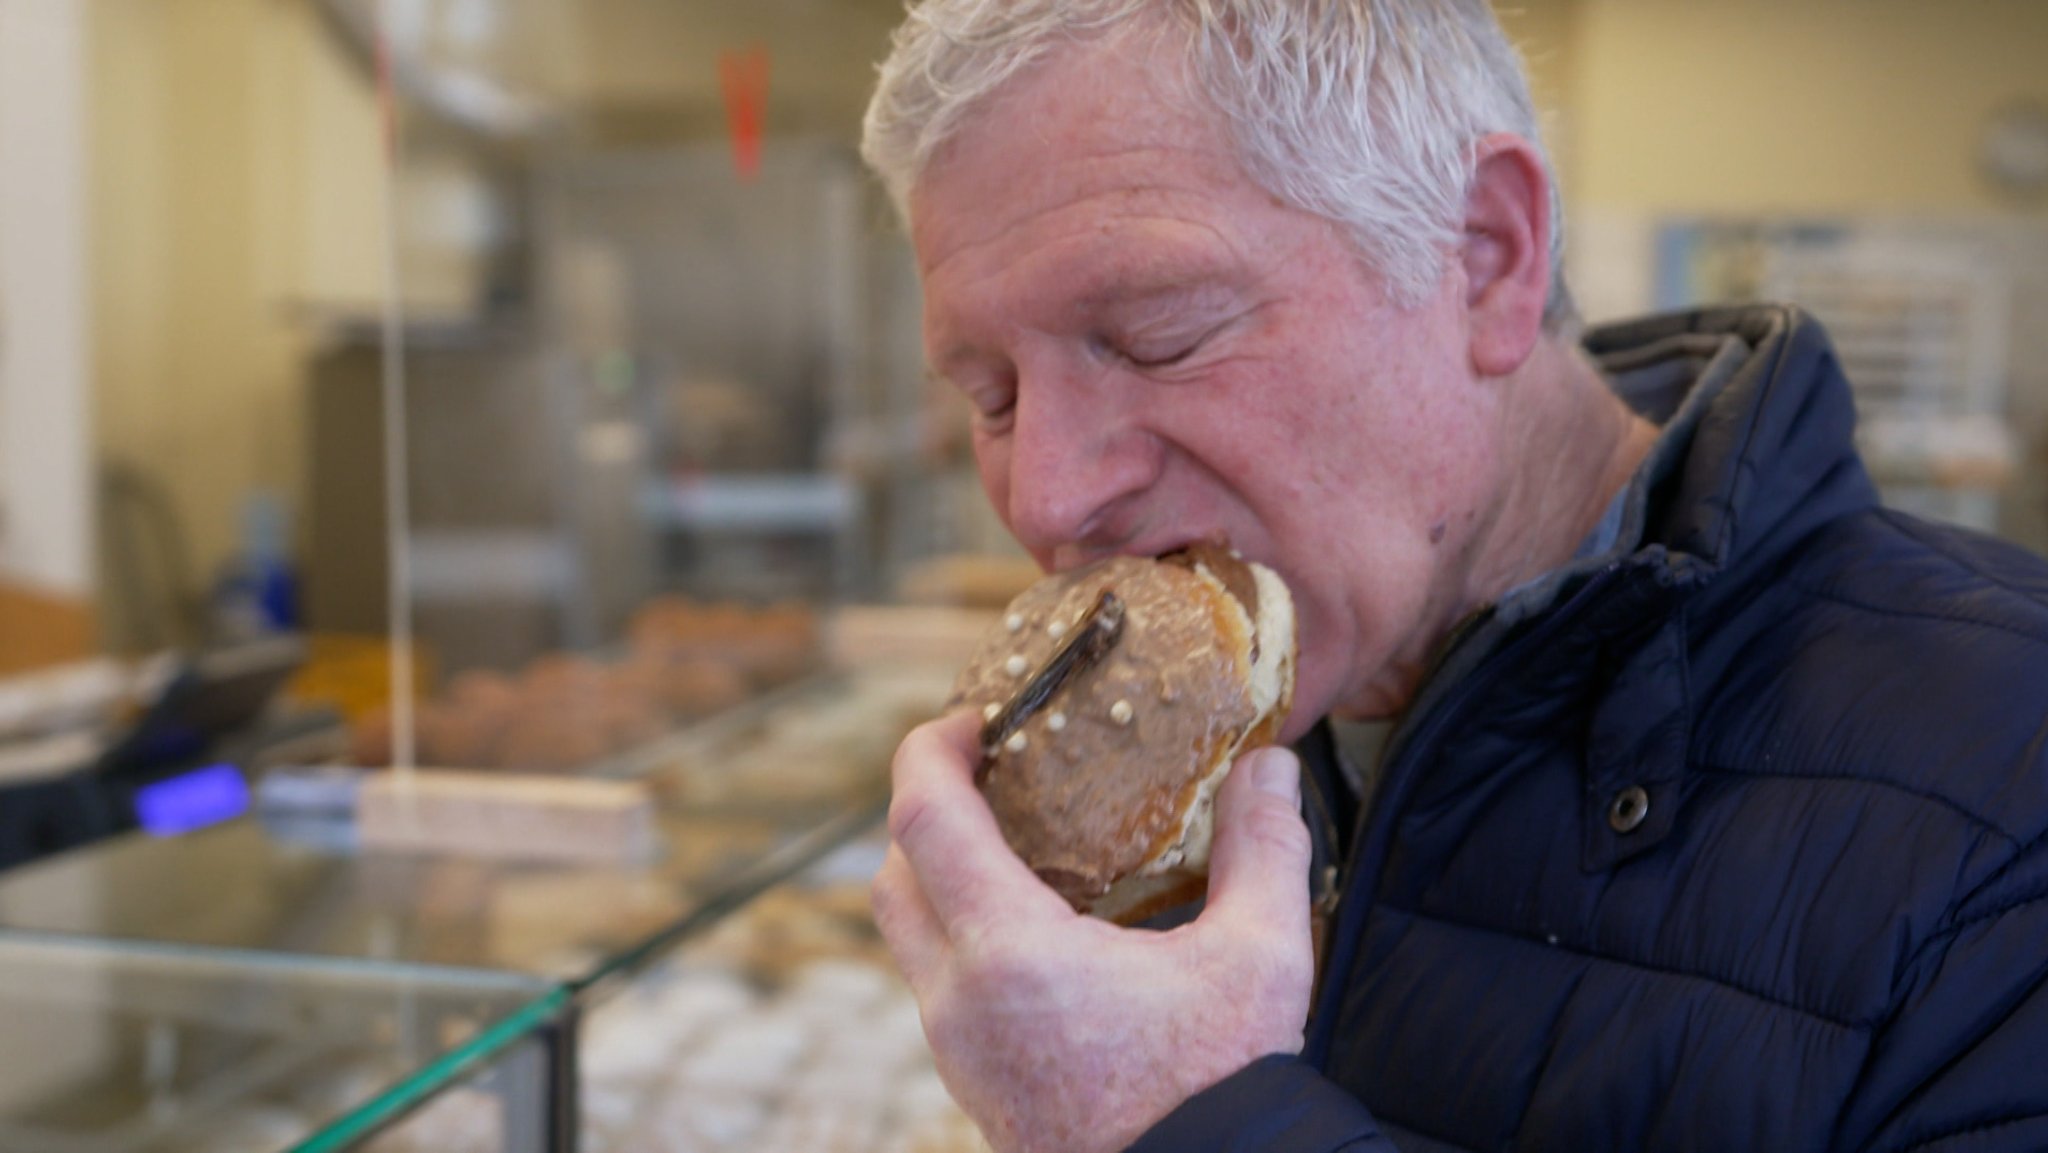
(1073, 556)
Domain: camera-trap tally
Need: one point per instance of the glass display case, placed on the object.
(786, 1026)
(113, 1047)
(269, 922)
(745, 796)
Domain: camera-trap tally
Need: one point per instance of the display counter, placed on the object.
(113, 1047)
(741, 798)
(784, 1027)
(744, 802)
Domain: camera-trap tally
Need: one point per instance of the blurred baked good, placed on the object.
(769, 646)
(969, 580)
(684, 660)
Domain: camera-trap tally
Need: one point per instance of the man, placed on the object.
(1715, 814)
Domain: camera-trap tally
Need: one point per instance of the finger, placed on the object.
(916, 938)
(947, 834)
(1258, 868)
(958, 732)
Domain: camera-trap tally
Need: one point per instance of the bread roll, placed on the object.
(1106, 788)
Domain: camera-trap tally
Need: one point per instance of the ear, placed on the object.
(1505, 252)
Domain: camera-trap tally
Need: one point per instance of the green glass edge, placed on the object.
(772, 868)
(435, 1076)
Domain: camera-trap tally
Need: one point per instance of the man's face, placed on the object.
(1158, 351)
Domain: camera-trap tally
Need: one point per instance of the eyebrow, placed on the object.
(1161, 279)
(1199, 297)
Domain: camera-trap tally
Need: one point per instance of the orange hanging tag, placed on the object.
(744, 78)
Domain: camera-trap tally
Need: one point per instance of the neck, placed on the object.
(1574, 446)
(1569, 446)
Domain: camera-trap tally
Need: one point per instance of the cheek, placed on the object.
(1350, 489)
(1397, 444)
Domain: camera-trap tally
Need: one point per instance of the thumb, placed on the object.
(1258, 867)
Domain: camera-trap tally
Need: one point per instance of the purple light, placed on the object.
(192, 800)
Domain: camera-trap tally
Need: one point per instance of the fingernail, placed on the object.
(1276, 771)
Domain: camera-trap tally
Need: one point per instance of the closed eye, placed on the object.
(994, 419)
(1148, 360)
(992, 396)
(1161, 353)
(993, 405)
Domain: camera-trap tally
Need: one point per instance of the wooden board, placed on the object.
(38, 629)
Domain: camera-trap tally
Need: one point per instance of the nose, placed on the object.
(1078, 462)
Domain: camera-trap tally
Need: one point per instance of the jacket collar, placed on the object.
(1770, 455)
(1757, 452)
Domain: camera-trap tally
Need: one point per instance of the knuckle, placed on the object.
(1274, 975)
(1277, 827)
(951, 1027)
(998, 964)
(908, 814)
(886, 899)
(1256, 957)
(1287, 962)
(891, 895)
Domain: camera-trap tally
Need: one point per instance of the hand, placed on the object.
(1056, 1031)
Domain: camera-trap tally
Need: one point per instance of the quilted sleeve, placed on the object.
(1962, 1063)
(1275, 1105)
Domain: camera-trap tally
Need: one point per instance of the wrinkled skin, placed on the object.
(1157, 352)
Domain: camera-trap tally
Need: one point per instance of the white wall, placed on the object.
(45, 372)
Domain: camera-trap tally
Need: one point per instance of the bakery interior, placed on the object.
(527, 394)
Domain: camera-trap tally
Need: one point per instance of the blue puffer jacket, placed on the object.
(1828, 930)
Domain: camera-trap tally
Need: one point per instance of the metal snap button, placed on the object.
(1628, 809)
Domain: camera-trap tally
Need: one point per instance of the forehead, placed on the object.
(1098, 141)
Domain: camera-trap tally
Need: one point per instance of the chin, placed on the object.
(1376, 703)
(1313, 698)
(1299, 722)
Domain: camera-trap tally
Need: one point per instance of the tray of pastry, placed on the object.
(681, 662)
(784, 1027)
(818, 742)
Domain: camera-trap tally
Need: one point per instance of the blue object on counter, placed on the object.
(310, 806)
(257, 591)
(194, 800)
(310, 791)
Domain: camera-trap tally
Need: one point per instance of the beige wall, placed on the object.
(619, 56)
(1859, 106)
(234, 192)
(1867, 110)
(1546, 33)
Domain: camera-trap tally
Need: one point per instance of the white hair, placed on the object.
(1363, 112)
